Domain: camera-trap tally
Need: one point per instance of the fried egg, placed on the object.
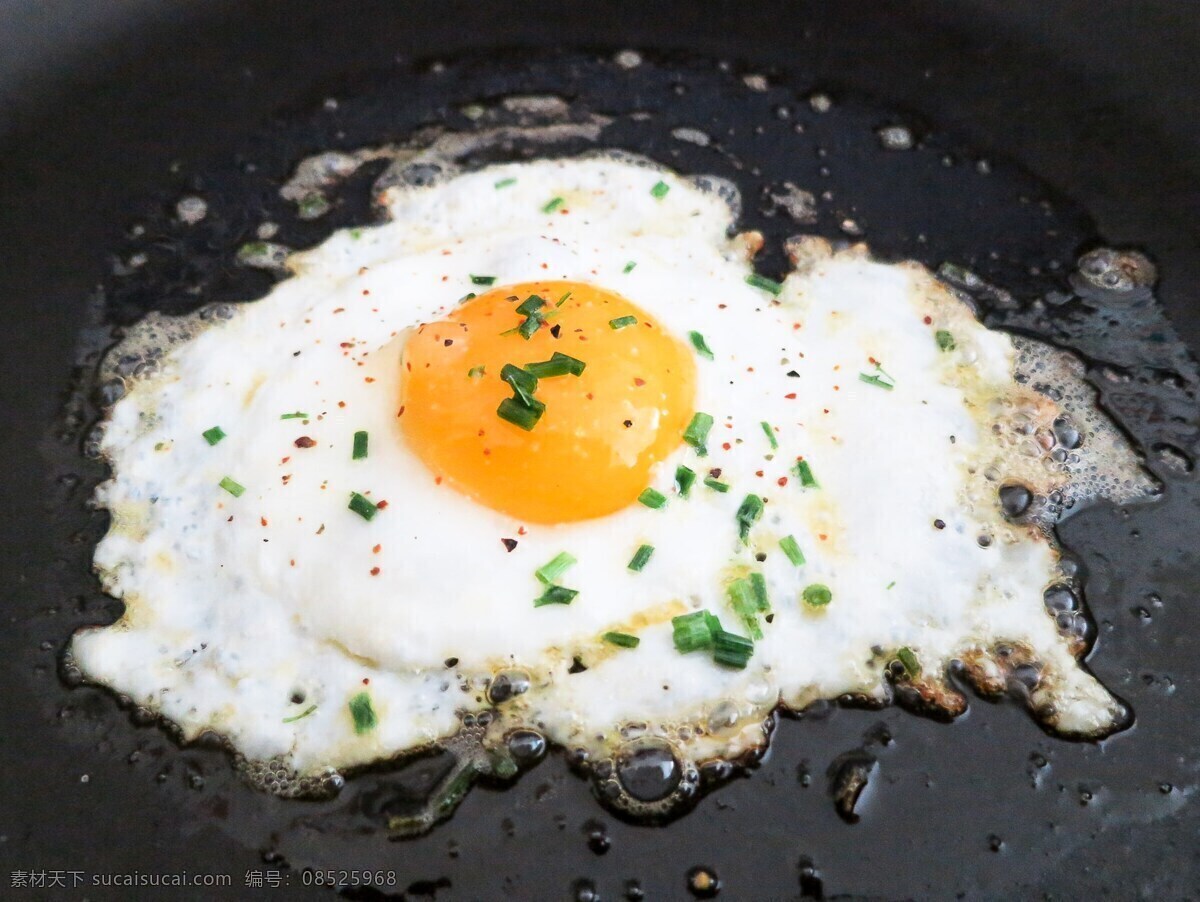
(543, 452)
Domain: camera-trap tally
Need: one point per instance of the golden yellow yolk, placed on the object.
(602, 432)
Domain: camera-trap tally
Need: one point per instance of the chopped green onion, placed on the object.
(563, 299)
(770, 434)
(641, 557)
(758, 583)
(530, 325)
(716, 485)
(621, 322)
(889, 585)
(214, 435)
(483, 280)
(740, 595)
(694, 631)
(294, 416)
(469, 296)
(363, 712)
(660, 189)
(696, 433)
(549, 573)
(530, 305)
(553, 204)
(476, 372)
(520, 414)
(363, 506)
(684, 478)
(731, 649)
(805, 474)
(909, 660)
(817, 595)
(792, 549)
(652, 498)
(877, 381)
(700, 345)
(945, 340)
(522, 382)
(629, 267)
(231, 487)
(559, 364)
(747, 515)
(768, 285)
(555, 595)
(360, 446)
(624, 640)
(504, 183)
(303, 714)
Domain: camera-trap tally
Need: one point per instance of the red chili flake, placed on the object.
(825, 409)
(487, 452)
(285, 460)
(782, 480)
(369, 379)
(928, 320)
(262, 520)
(304, 442)
(445, 278)
(545, 266)
(374, 571)
(722, 306)
(339, 309)
(509, 544)
(400, 412)
(437, 480)
(795, 325)
(366, 291)
(715, 472)
(346, 344)
(639, 382)
(366, 681)
(758, 472)
(381, 505)
(292, 562)
(286, 477)
(377, 549)
(589, 396)
(873, 360)
(837, 388)
(822, 536)
(726, 445)
(341, 403)
(791, 396)
(520, 530)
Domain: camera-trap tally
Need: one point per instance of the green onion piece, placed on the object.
(360, 446)
(696, 433)
(747, 515)
(548, 574)
(768, 285)
(362, 506)
(559, 364)
(530, 325)
(214, 435)
(483, 280)
(758, 583)
(555, 595)
(520, 414)
(641, 557)
(684, 478)
(629, 267)
(530, 305)
(692, 632)
(740, 595)
(945, 340)
(716, 485)
(731, 649)
(652, 498)
(770, 434)
(233, 488)
(504, 183)
(889, 585)
(303, 714)
(476, 372)
(563, 299)
(624, 640)
(909, 660)
(877, 381)
(621, 322)
(469, 296)
(553, 204)
(660, 189)
(522, 382)
(363, 712)
(792, 549)
(805, 474)
(700, 345)
(355, 234)
(294, 416)
(817, 595)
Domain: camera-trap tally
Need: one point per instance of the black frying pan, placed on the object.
(1089, 108)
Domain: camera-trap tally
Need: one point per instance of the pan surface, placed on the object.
(151, 109)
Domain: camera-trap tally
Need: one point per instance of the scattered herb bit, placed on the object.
(880, 378)
(298, 415)
(700, 345)
(214, 435)
(694, 631)
(476, 372)
(303, 714)
(483, 280)
(621, 322)
(641, 557)
(624, 640)
(469, 296)
(504, 183)
(740, 595)
(696, 433)
(563, 299)
(522, 382)
(233, 488)
(747, 515)
(715, 484)
(731, 649)
(770, 434)
(553, 204)
(758, 583)
(629, 267)
(792, 549)
(805, 474)
(768, 285)
(521, 414)
(362, 506)
(909, 660)
(889, 585)
(660, 189)
(817, 595)
(652, 498)
(945, 340)
(355, 234)
(558, 365)
(684, 478)
(548, 574)
(360, 446)
(555, 595)
(363, 712)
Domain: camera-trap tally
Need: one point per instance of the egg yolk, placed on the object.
(601, 432)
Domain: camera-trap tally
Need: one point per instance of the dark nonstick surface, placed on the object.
(1099, 107)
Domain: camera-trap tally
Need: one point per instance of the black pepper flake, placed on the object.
(715, 472)
(627, 423)
(760, 557)
(556, 330)
(939, 524)
(793, 374)
(509, 544)
(448, 342)
(452, 662)
(295, 353)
